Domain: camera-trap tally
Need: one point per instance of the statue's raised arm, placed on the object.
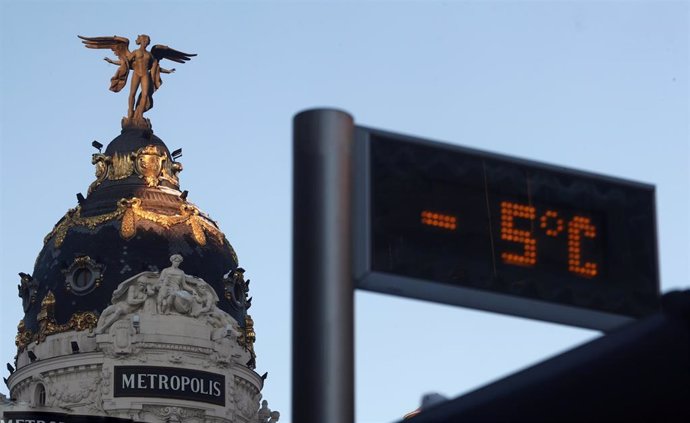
(145, 67)
(119, 46)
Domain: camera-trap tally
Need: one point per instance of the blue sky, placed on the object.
(599, 86)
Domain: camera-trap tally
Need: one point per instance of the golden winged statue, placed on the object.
(145, 67)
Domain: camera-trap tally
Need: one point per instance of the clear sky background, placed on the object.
(599, 86)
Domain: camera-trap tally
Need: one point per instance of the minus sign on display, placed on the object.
(439, 220)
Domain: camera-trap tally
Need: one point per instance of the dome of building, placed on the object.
(136, 309)
(132, 220)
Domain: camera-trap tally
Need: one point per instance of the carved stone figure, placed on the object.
(169, 292)
(265, 415)
(129, 297)
(205, 298)
(181, 293)
(220, 319)
(145, 67)
(264, 412)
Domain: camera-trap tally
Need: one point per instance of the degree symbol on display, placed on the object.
(551, 223)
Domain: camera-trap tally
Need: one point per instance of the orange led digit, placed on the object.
(439, 220)
(509, 212)
(577, 227)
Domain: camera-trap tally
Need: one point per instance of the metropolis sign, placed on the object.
(166, 382)
(465, 227)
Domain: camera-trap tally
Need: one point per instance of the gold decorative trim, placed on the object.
(150, 163)
(122, 166)
(248, 338)
(24, 337)
(170, 172)
(47, 307)
(78, 322)
(48, 326)
(130, 211)
(83, 321)
(102, 163)
(73, 218)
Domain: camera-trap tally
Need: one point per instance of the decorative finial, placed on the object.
(47, 307)
(146, 72)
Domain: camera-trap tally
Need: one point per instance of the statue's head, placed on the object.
(176, 259)
(143, 39)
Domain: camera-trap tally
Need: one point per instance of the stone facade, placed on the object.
(162, 352)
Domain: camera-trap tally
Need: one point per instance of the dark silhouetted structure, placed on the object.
(640, 372)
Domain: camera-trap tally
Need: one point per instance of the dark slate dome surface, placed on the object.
(128, 224)
(131, 139)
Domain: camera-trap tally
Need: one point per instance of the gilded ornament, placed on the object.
(122, 166)
(47, 307)
(94, 221)
(175, 169)
(128, 226)
(169, 177)
(167, 221)
(60, 229)
(48, 326)
(130, 210)
(102, 164)
(149, 164)
(249, 329)
(83, 321)
(197, 231)
(73, 218)
(170, 172)
(248, 338)
(188, 214)
(24, 337)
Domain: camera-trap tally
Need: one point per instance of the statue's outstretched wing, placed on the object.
(120, 46)
(161, 52)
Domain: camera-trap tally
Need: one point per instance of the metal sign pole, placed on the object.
(323, 289)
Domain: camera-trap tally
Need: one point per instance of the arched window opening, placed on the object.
(40, 397)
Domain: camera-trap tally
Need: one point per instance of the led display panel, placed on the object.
(512, 236)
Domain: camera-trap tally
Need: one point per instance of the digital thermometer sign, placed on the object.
(465, 227)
